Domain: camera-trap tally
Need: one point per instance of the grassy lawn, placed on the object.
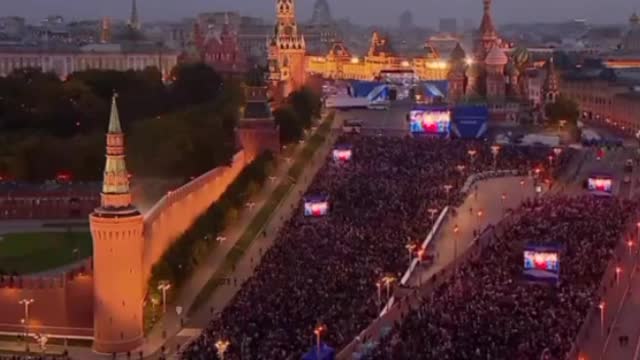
(262, 217)
(27, 253)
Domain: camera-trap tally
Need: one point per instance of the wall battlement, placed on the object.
(60, 280)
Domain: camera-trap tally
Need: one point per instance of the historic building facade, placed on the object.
(65, 60)
(340, 64)
(489, 75)
(221, 50)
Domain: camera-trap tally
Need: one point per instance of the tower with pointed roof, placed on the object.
(117, 232)
(456, 75)
(134, 21)
(286, 51)
(105, 31)
(550, 88)
(487, 34)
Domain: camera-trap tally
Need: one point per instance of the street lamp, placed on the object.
(503, 197)
(410, 247)
(479, 216)
(455, 241)
(164, 286)
(379, 286)
(629, 245)
(557, 151)
(460, 168)
(432, 213)
(387, 281)
(318, 331)
(26, 303)
(221, 346)
(472, 153)
(601, 307)
(495, 149)
(447, 189)
(618, 271)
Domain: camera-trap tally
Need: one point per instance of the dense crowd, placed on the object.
(487, 311)
(324, 270)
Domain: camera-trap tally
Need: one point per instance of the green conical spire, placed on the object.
(114, 119)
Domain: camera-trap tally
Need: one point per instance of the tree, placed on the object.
(564, 111)
(291, 128)
(195, 84)
(306, 105)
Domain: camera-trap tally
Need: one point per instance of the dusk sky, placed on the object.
(426, 12)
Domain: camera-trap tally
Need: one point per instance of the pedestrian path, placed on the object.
(448, 244)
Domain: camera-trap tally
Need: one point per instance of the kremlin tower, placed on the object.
(286, 52)
(116, 228)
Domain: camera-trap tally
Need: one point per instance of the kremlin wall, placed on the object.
(64, 305)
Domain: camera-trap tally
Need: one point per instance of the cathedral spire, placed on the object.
(115, 185)
(487, 29)
(134, 21)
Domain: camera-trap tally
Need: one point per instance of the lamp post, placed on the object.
(472, 153)
(557, 151)
(601, 307)
(495, 149)
(410, 247)
(164, 286)
(460, 168)
(432, 213)
(221, 346)
(550, 157)
(26, 303)
(480, 213)
(618, 271)
(455, 242)
(447, 189)
(318, 331)
(387, 282)
(629, 245)
(503, 197)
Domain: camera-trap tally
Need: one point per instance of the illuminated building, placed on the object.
(489, 76)
(286, 57)
(339, 63)
(118, 248)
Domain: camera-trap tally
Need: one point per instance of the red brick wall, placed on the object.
(63, 305)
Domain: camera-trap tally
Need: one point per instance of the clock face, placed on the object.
(288, 30)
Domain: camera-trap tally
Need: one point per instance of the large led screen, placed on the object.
(541, 263)
(316, 206)
(600, 184)
(430, 121)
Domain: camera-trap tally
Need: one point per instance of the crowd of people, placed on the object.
(325, 270)
(487, 311)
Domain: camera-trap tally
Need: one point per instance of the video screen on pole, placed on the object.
(600, 184)
(316, 206)
(541, 263)
(430, 121)
(342, 153)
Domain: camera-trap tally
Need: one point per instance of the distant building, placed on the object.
(48, 201)
(12, 26)
(219, 50)
(448, 25)
(628, 56)
(320, 31)
(608, 96)
(339, 63)
(65, 59)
